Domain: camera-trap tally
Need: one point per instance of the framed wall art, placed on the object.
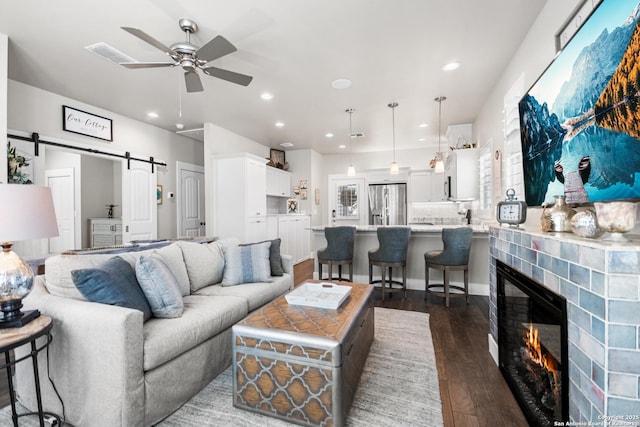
(83, 123)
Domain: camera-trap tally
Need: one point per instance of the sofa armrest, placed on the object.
(287, 264)
(95, 361)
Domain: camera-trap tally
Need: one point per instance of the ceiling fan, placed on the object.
(191, 57)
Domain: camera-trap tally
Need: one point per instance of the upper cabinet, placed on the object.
(239, 197)
(278, 182)
(426, 186)
(461, 172)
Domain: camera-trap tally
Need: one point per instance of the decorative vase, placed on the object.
(616, 218)
(558, 217)
(585, 224)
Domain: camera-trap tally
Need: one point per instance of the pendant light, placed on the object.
(394, 166)
(351, 171)
(439, 161)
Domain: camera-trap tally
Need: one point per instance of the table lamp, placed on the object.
(26, 213)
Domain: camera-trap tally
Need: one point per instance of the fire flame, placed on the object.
(535, 350)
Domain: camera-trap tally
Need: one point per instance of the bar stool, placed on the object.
(339, 251)
(393, 243)
(454, 256)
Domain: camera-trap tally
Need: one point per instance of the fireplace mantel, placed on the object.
(601, 282)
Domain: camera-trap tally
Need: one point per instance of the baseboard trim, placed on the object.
(493, 349)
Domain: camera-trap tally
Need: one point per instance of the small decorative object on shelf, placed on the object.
(292, 206)
(110, 210)
(511, 211)
(585, 224)
(558, 217)
(616, 218)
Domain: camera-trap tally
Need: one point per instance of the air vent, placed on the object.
(357, 135)
(109, 53)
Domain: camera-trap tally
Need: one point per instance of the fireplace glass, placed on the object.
(532, 342)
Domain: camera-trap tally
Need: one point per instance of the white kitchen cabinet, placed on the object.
(239, 197)
(105, 232)
(278, 182)
(295, 235)
(426, 186)
(461, 171)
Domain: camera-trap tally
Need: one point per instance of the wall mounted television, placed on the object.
(580, 122)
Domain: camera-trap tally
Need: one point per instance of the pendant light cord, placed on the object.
(393, 128)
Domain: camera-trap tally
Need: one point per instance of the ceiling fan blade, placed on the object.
(215, 48)
(229, 76)
(134, 65)
(192, 81)
(147, 38)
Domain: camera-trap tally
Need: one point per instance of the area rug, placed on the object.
(399, 385)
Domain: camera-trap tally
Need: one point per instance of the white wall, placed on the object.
(4, 59)
(35, 110)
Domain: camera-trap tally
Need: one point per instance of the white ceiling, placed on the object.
(390, 50)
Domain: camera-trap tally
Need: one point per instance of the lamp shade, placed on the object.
(26, 212)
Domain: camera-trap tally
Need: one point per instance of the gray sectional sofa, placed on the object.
(110, 367)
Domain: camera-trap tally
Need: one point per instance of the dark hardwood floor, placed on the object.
(472, 389)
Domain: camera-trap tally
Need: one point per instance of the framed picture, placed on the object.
(83, 123)
(296, 189)
(317, 196)
(277, 157)
(292, 206)
(159, 194)
(303, 194)
(303, 184)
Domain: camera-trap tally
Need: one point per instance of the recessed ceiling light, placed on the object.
(328, 135)
(451, 66)
(286, 144)
(152, 115)
(179, 126)
(266, 96)
(279, 124)
(423, 125)
(342, 147)
(341, 84)
(422, 140)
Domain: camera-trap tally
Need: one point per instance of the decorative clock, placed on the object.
(511, 211)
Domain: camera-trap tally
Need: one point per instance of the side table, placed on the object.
(12, 338)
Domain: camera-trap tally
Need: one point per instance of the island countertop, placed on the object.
(415, 228)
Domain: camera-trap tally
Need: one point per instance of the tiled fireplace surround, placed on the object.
(601, 282)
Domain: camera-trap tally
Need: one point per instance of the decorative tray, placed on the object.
(321, 295)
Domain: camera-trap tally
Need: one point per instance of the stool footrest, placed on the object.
(454, 290)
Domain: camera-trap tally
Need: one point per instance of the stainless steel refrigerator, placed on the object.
(388, 204)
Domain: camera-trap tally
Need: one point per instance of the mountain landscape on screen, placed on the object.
(580, 122)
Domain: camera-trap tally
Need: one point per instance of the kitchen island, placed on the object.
(423, 238)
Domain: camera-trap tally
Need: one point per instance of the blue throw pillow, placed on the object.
(160, 286)
(246, 264)
(275, 259)
(114, 283)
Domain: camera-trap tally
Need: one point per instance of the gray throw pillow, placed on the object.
(246, 264)
(160, 286)
(275, 259)
(114, 283)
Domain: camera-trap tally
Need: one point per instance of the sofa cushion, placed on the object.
(204, 262)
(58, 280)
(114, 282)
(203, 318)
(256, 294)
(275, 259)
(246, 264)
(160, 286)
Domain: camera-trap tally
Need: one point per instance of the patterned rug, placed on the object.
(399, 385)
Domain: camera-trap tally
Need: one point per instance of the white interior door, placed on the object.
(190, 198)
(139, 206)
(62, 186)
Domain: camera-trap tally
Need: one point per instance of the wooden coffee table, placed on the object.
(303, 364)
